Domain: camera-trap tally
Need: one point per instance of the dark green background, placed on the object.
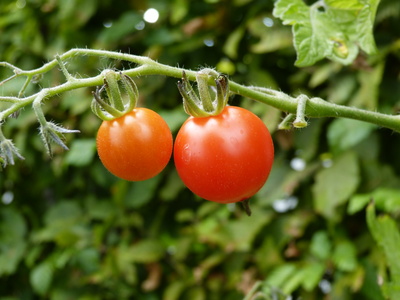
(73, 231)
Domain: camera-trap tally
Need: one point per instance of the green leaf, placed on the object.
(81, 153)
(145, 251)
(172, 187)
(312, 274)
(140, 193)
(320, 245)
(345, 133)
(179, 10)
(10, 256)
(370, 82)
(293, 282)
(12, 240)
(174, 118)
(280, 274)
(344, 4)
(174, 290)
(322, 74)
(63, 224)
(333, 29)
(41, 277)
(333, 186)
(208, 263)
(270, 38)
(307, 276)
(75, 13)
(66, 212)
(357, 203)
(196, 293)
(243, 231)
(291, 11)
(345, 256)
(371, 288)
(12, 225)
(89, 260)
(385, 231)
(343, 89)
(239, 233)
(232, 42)
(100, 209)
(365, 26)
(386, 199)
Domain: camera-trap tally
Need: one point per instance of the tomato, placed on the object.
(225, 158)
(136, 146)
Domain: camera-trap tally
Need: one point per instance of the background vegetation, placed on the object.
(70, 230)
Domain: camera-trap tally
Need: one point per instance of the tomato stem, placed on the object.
(113, 92)
(132, 91)
(191, 102)
(246, 206)
(113, 106)
(67, 75)
(204, 92)
(222, 84)
(204, 106)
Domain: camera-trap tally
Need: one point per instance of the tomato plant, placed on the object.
(224, 158)
(136, 146)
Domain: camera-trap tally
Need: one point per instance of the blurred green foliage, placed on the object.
(70, 230)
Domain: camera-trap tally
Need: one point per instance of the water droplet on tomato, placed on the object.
(187, 154)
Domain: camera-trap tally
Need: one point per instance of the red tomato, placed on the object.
(136, 146)
(225, 158)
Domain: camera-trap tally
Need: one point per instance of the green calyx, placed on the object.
(7, 151)
(203, 104)
(116, 97)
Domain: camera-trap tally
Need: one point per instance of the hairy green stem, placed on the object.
(23, 88)
(67, 75)
(111, 79)
(204, 93)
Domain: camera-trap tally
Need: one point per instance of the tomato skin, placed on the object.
(225, 158)
(136, 146)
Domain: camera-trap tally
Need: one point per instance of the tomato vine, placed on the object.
(297, 108)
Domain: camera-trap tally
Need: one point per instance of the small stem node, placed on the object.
(8, 151)
(287, 122)
(300, 121)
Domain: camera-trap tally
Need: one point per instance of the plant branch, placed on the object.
(312, 108)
